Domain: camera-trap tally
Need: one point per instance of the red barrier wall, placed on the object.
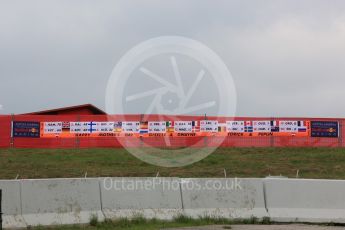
(118, 142)
(5, 131)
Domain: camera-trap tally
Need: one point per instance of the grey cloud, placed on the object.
(286, 57)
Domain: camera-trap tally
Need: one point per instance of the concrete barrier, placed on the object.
(11, 206)
(148, 197)
(60, 201)
(75, 201)
(227, 198)
(299, 200)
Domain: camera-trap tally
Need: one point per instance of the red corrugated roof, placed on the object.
(71, 109)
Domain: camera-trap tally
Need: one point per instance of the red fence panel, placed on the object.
(5, 131)
(174, 142)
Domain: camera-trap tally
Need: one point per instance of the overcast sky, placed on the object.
(287, 58)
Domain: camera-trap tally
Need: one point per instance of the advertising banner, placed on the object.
(288, 126)
(51, 127)
(235, 126)
(157, 127)
(181, 129)
(183, 126)
(324, 129)
(131, 126)
(26, 129)
(208, 126)
(55, 129)
(104, 127)
(82, 127)
(262, 126)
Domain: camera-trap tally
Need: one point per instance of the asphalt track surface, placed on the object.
(261, 227)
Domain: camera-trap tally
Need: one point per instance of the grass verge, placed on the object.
(154, 224)
(325, 163)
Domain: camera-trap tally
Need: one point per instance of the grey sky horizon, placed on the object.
(287, 58)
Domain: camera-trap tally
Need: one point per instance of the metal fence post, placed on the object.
(12, 139)
(205, 138)
(340, 133)
(141, 137)
(77, 141)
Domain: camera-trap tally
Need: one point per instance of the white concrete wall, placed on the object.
(60, 201)
(228, 198)
(301, 200)
(148, 197)
(11, 204)
(74, 201)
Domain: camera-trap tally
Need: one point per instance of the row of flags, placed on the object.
(144, 127)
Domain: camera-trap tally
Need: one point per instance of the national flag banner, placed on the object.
(248, 128)
(118, 126)
(235, 126)
(261, 126)
(170, 124)
(288, 126)
(248, 123)
(131, 126)
(183, 126)
(92, 127)
(52, 127)
(222, 127)
(208, 126)
(196, 126)
(65, 125)
(157, 127)
(302, 126)
(275, 126)
(144, 127)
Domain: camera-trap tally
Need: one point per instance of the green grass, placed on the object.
(238, 162)
(154, 224)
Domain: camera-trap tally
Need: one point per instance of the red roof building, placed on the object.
(86, 109)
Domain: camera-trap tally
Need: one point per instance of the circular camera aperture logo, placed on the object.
(171, 76)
